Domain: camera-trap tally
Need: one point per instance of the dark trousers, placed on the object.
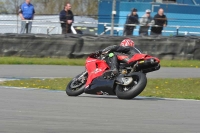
(66, 29)
(153, 33)
(112, 62)
(128, 30)
(144, 33)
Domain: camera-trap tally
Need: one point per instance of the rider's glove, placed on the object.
(98, 53)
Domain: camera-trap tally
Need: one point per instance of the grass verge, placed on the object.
(42, 61)
(168, 88)
(81, 62)
(181, 63)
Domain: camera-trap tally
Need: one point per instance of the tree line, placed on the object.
(79, 7)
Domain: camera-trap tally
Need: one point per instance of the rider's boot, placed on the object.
(109, 74)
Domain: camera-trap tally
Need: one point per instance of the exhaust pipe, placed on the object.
(151, 69)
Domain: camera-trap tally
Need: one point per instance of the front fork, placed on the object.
(82, 78)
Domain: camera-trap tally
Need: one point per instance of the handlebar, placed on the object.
(100, 54)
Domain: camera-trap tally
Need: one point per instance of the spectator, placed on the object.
(131, 19)
(160, 20)
(145, 22)
(67, 18)
(26, 12)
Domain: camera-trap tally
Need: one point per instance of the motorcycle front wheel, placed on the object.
(77, 85)
(134, 89)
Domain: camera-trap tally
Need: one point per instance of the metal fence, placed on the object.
(183, 16)
(174, 29)
(47, 24)
(12, 24)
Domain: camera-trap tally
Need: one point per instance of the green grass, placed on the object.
(42, 61)
(81, 62)
(169, 88)
(51, 84)
(181, 63)
(173, 88)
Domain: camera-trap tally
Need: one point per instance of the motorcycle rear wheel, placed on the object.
(74, 87)
(134, 89)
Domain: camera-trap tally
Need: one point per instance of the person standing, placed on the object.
(145, 22)
(161, 21)
(26, 13)
(66, 18)
(131, 19)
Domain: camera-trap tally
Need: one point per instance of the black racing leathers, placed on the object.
(125, 50)
(117, 50)
(113, 62)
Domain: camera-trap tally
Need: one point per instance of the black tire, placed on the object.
(135, 89)
(75, 92)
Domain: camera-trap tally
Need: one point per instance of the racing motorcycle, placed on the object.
(129, 83)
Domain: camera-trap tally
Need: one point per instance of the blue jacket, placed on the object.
(27, 10)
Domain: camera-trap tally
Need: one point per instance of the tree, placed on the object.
(79, 7)
(2, 7)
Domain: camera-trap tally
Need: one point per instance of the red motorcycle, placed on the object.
(130, 82)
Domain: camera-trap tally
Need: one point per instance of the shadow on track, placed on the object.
(115, 97)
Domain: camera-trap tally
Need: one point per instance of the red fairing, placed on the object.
(150, 57)
(121, 57)
(138, 57)
(95, 68)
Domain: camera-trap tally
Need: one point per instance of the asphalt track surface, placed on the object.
(44, 111)
(29, 71)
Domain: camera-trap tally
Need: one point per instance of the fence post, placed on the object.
(113, 17)
(104, 28)
(177, 30)
(27, 22)
(47, 30)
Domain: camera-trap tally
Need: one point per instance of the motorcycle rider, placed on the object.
(125, 51)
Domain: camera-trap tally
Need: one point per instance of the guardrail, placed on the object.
(177, 28)
(48, 27)
(51, 25)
